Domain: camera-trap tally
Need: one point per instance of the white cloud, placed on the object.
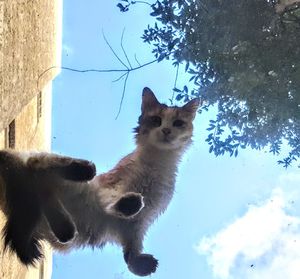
(262, 244)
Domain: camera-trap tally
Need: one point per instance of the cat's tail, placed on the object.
(18, 237)
(24, 214)
(22, 208)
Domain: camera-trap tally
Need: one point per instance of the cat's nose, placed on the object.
(166, 131)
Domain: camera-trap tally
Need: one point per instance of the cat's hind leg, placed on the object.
(66, 167)
(141, 264)
(138, 263)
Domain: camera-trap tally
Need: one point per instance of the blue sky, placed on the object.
(215, 199)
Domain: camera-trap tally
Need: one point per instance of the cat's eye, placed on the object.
(155, 121)
(178, 123)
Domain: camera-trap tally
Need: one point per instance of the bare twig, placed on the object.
(112, 50)
(137, 61)
(94, 70)
(128, 61)
(141, 2)
(123, 95)
(120, 77)
(124, 72)
(175, 84)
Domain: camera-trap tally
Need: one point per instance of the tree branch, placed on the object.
(141, 2)
(124, 49)
(137, 61)
(120, 77)
(123, 95)
(124, 72)
(175, 84)
(106, 41)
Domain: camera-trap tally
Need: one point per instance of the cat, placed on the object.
(77, 209)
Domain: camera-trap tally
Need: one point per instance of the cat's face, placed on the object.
(165, 127)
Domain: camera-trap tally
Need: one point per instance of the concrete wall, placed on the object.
(30, 43)
(32, 132)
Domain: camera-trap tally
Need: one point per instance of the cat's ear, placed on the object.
(149, 100)
(192, 106)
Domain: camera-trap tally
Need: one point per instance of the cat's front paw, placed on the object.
(59, 221)
(142, 265)
(129, 205)
(64, 233)
(79, 170)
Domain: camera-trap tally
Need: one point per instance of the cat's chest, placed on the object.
(155, 184)
(156, 176)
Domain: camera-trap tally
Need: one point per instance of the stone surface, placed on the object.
(30, 43)
(32, 132)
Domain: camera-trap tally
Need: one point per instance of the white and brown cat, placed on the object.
(59, 199)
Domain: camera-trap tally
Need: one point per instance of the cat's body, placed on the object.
(120, 205)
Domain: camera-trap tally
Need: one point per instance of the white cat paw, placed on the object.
(128, 206)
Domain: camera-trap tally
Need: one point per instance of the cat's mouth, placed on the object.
(166, 140)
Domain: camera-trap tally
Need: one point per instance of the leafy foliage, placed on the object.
(241, 56)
